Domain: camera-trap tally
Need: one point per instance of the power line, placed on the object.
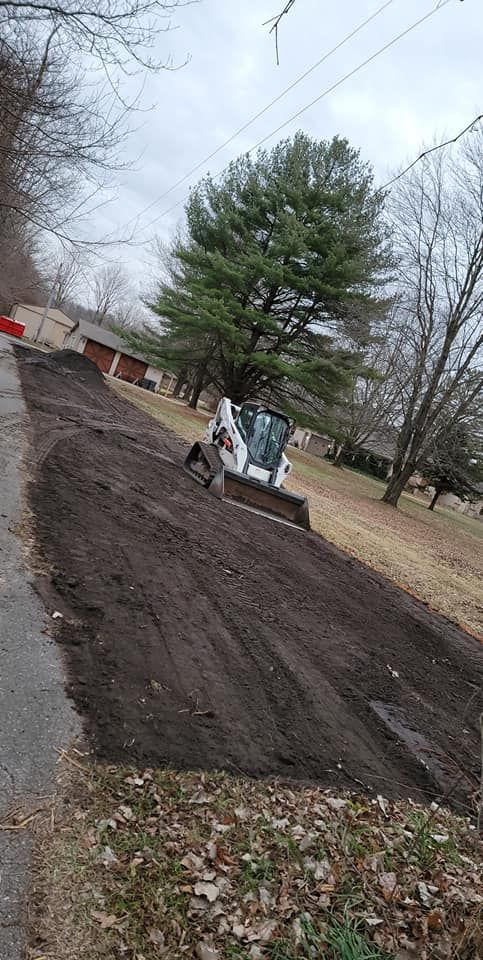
(321, 96)
(264, 110)
(425, 153)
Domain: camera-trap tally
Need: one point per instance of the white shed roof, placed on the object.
(58, 316)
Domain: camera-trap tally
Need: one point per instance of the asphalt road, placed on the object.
(36, 718)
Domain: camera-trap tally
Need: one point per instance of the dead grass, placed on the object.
(437, 555)
(149, 864)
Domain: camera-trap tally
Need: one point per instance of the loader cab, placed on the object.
(265, 433)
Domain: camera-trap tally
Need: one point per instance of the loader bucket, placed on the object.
(205, 465)
(266, 498)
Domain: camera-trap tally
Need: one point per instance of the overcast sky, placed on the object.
(427, 86)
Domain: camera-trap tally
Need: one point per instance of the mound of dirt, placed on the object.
(70, 361)
(198, 635)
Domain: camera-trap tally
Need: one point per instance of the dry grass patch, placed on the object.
(186, 423)
(157, 864)
(437, 555)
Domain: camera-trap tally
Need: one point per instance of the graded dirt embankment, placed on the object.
(198, 635)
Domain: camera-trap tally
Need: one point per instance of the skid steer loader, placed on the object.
(242, 458)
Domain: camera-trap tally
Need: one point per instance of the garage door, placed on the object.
(130, 369)
(101, 355)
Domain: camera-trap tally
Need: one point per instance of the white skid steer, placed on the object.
(242, 458)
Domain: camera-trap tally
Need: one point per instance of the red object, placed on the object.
(13, 327)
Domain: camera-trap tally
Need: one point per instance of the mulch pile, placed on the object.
(198, 635)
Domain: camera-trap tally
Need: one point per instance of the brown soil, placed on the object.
(198, 635)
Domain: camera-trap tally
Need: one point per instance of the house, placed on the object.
(470, 508)
(49, 328)
(312, 442)
(113, 356)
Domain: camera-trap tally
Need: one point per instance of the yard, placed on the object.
(258, 706)
(437, 555)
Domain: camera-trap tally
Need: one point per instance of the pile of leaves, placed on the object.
(160, 864)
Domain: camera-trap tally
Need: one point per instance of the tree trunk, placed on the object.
(180, 382)
(397, 483)
(337, 461)
(195, 394)
(197, 385)
(436, 497)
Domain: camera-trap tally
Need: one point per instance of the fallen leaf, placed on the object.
(319, 868)
(208, 890)
(307, 842)
(424, 894)
(434, 920)
(107, 857)
(201, 797)
(261, 931)
(282, 824)
(105, 920)
(336, 803)
(388, 885)
(212, 850)
(57, 615)
(382, 804)
(205, 952)
(89, 839)
(157, 937)
(374, 862)
(193, 863)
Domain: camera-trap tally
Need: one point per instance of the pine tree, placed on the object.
(455, 466)
(278, 256)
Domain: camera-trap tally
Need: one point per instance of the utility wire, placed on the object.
(264, 110)
(425, 153)
(321, 96)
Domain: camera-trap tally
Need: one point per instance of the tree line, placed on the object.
(297, 282)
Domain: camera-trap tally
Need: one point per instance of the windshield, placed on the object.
(266, 437)
(245, 418)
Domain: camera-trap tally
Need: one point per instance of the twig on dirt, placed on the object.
(466, 711)
(480, 804)
(23, 823)
(64, 755)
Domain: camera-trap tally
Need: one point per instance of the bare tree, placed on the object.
(114, 32)
(65, 275)
(438, 212)
(368, 410)
(57, 141)
(63, 116)
(21, 279)
(110, 292)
